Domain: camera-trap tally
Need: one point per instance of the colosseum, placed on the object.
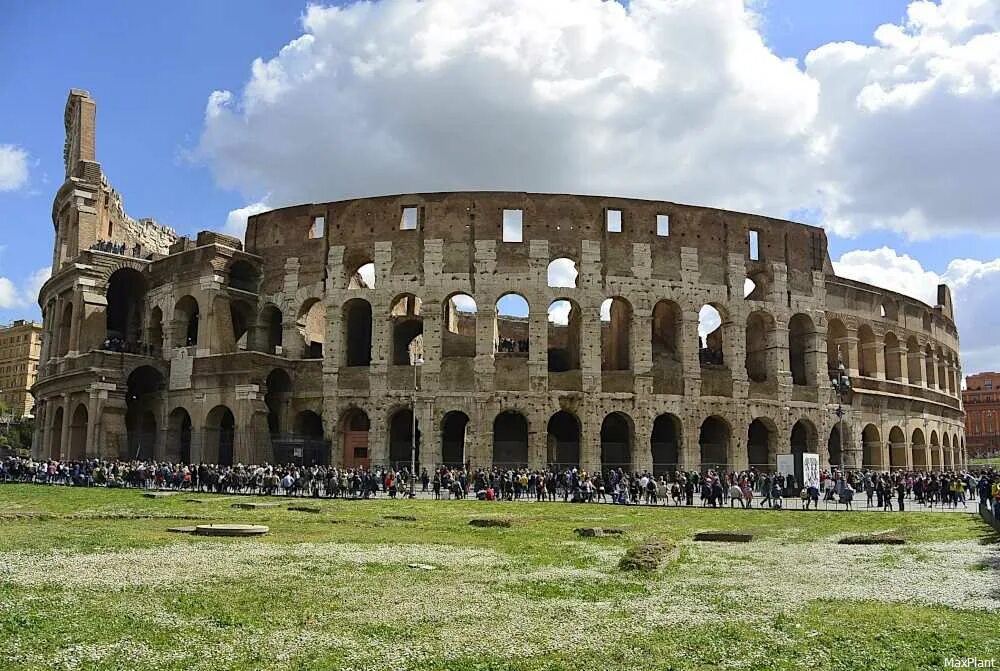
(519, 329)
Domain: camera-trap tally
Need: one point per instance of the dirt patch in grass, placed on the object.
(401, 518)
(723, 537)
(598, 532)
(873, 539)
(490, 522)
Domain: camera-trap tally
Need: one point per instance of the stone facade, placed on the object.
(301, 344)
(20, 350)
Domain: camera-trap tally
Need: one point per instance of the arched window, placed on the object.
(357, 337)
(458, 337)
(562, 272)
(801, 339)
(665, 443)
(511, 330)
(311, 325)
(563, 440)
(867, 344)
(616, 442)
(759, 335)
(616, 334)
(564, 336)
(761, 445)
(186, 319)
(362, 276)
(836, 346)
(510, 440)
(243, 276)
(407, 330)
(126, 292)
(270, 329)
(713, 442)
(891, 352)
(454, 427)
(710, 336)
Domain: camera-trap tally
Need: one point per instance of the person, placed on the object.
(900, 493)
(847, 495)
(812, 492)
(736, 494)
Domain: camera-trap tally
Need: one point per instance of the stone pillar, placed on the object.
(930, 368)
(900, 354)
(851, 353)
(430, 376)
(590, 442)
(486, 316)
(74, 331)
(538, 345)
(642, 450)
(689, 352)
(590, 347)
(429, 456)
(537, 441)
(65, 436)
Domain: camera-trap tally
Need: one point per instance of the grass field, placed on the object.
(90, 579)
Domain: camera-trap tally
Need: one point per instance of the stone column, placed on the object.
(590, 347)
(65, 436)
(486, 316)
(689, 352)
(538, 345)
(642, 449)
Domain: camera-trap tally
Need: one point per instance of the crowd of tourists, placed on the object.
(744, 489)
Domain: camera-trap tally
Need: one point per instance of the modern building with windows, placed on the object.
(522, 329)
(20, 349)
(981, 398)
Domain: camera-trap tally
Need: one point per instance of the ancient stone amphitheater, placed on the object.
(522, 329)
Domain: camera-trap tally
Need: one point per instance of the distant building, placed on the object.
(981, 398)
(20, 349)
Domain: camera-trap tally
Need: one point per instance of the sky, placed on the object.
(875, 120)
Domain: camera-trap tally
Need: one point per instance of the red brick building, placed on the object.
(982, 413)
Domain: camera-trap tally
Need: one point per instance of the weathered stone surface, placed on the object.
(305, 509)
(723, 537)
(182, 530)
(158, 495)
(247, 505)
(648, 556)
(231, 529)
(401, 518)
(490, 522)
(873, 539)
(598, 532)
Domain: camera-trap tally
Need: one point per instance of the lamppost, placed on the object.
(418, 361)
(842, 385)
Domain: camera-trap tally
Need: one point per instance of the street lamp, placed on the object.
(842, 385)
(418, 361)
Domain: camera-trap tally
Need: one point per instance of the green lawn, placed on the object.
(90, 579)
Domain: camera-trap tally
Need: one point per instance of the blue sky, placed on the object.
(153, 66)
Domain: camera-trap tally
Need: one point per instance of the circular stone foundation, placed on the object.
(230, 529)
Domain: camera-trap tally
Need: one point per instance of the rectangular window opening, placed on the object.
(408, 221)
(512, 226)
(318, 228)
(614, 221)
(754, 246)
(663, 225)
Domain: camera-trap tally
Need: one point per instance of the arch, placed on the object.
(65, 330)
(564, 326)
(665, 443)
(55, 434)
(362, 276)
(665, 341)
(802, 440)
(510, 440)
(78, 428)
(914, 374)
(407, 329)
(454, 433)
(563, 440)
(713, 443)
(123, 317)
(269, 326)
(309, 425)
(929, 369)
(871, 440)
(891, 352)
(616, 334)
(154, 332)
(179, 430)
(839, 437)
(401, 437)
(759, 341)
(712, 334)
(220, 436)
(186, 318)
(277, 399)
(762, 444)
(354, 428)
(244, 276)
(458, 337)
(616, 441)
(311, 325)
(836, 345)
(889, 310)
(942, 372)
(936, 457)
(357, 336)
(510, 328)
(144, 388)
(562, 272)
(866, 346)
(801, 349)
(918, 448)
(241, 316)
(897, 448)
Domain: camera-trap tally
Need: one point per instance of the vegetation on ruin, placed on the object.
(90, 579)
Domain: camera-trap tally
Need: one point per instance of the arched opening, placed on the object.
(802, 440)
(55, 433)
(458, 338)
(616, 334)
(564, 336)
(762, 445)
(312, 328)
(936, 460)
(144, 389)
(126, 291)
(220, 436)
(616, 442)
(454, 427)
(893, 359)
(836, 346)
(839, 437)
(357, 338)
(306, 445)
(511, 326)
(78, 434)
(562, 272)
(710, 336)
(801, 343)
(277, 399)
(154, 338)
(946, 449)
(186, 317)
(243, 276)
(918, 449)
(241, 315)
(665, 443)
(867, 345)
(897, 449)
(407, 330)
(563, 441)
(668, 371)
(362, 277)
(354, 437)
(929, 367)
(942, 376)
(760, 327)
(65, 330)
(178, 446)
(401, 439)
(871, 440)
(510, 440)
(270, 329)
(713, 443)
(914, 372)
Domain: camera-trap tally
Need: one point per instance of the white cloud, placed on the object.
(13, 167)
(559, 312)
(673, 99)
(562, 273)
(974, 286)
(236, 220)
(25, 296)
(9, 295)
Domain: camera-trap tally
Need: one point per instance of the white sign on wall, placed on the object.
(786, 464)
(810, 469)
